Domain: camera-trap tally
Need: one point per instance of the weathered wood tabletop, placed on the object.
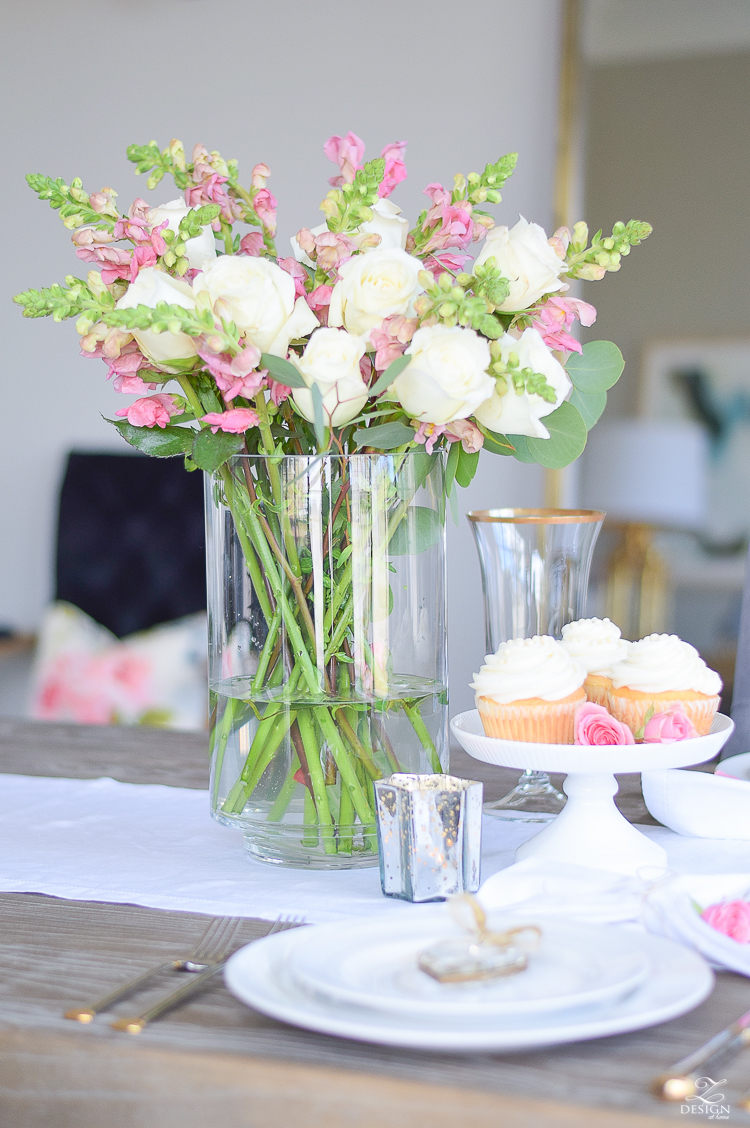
(216, 1062)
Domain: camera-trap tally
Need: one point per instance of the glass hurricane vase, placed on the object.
(327, 645)
(535, 566)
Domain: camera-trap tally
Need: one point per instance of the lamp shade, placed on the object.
(647, 471)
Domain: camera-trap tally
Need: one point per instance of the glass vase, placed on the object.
(535, 566)
(327, 645)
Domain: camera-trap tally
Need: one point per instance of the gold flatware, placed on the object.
(212, 946)
(136, 1024)
(678, 1083)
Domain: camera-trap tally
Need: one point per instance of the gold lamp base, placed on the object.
(637, 583)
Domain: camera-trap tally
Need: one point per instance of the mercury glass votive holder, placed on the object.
(429, 835)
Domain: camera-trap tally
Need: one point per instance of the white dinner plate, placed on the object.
(374, 964)
(679, 980)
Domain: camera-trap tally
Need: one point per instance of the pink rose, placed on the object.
(666, 728)
(595, 726)
(730, 917)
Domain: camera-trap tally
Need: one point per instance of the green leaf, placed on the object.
(566, 442)
(467, 466)
(155, 441)
(319, 424)
(494, 442)
(387, 436)
(590, 404)
(597, 368)
(212, 451)
(394, 369)
(451, 465)
(282, 370)
(420, 529)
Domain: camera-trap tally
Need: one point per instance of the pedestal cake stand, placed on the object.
(590, 831)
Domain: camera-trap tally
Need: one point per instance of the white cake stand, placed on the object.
(590, 831)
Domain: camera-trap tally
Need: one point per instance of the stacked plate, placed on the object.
(359, 979)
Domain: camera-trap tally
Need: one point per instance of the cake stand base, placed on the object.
(590, 831)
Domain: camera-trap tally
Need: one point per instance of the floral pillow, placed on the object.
(84, 673)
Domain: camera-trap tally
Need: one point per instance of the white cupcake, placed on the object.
(597, 645)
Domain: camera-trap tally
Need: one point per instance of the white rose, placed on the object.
(446, 378)
(387, 222)
(525, 258)
(374, 286)
(199, 250)
(258, 296)
(150, 287)
(331, 360)
(514, 414)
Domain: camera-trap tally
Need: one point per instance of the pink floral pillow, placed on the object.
(85, 674)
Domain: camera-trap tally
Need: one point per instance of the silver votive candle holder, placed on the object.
(429, 835)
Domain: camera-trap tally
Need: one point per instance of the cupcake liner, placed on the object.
(537, 721)
(597, 688)
(699, 709)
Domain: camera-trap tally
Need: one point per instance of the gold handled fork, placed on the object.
(678, 1083)
(212, 946)
(136, 1024)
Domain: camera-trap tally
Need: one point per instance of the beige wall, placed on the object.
(669, 141)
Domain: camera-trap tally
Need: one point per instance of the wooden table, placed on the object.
(216, 1063)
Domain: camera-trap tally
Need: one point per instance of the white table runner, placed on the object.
(100, 840)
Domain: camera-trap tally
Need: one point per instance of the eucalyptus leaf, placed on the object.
(496, 443)
(567, 439)
(158, 443)
(597, 368)
(212, 451)
(394, 369)
(387, 436)
(420, 529)
(467, 466)
(590, 404)
(282, 370)
(521, 448)
(319, 423)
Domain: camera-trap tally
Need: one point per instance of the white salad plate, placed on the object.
(375, 965)
(260, 976)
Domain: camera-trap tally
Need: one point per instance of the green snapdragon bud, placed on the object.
(445, 282)
(464, 280)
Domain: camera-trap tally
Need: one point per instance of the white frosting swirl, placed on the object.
(595, 643)
(661, 663)
(529, 667)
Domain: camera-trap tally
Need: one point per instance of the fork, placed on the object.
(136, 1024)
(212, 947)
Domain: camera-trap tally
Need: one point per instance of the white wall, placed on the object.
(79, 81)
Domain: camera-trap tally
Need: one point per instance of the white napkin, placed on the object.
(669, 909)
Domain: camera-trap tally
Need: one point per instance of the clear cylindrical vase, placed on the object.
(535, 566)
(327, 645)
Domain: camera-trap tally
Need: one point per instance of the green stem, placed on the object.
(309, 819)
(266, 652)
(250, 777)
(307, 732)
(346, 726)
(343, 763)
(346, 819)
(283, 799)
(224, 731)
(412, 712)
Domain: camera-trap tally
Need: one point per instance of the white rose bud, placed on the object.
(514, 414)
(374, 286)
(446, 378)
(526, 259)
(258, 296)
(331, 360)
(198, 251)
(150, 287)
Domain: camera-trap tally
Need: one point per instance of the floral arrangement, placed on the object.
(416, 348)
(375, 337)
(595, 725)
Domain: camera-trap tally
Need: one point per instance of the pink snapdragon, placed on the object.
(104, 202)
(251, 244)
(91, 237)
(428, 434)
(438, 264)
(265, 205)
(234, 375)
(732, 918)
(278, 392)
(448, 224)
(349, 152)
(596, 727)
(395, 169)
(234, 422)
(208, 188)
(298, 273)
(668, 728)
(328, 250)
(132, 385)
(467, 433)
(319, 301)
(153, 411)
(114, 261)
(560, 241)
(391, 338)
(555, 318)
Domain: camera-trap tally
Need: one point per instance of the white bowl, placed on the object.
(467, 728)
(736, 767)
(698, 804)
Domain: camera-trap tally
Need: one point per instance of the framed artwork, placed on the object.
(708, 381)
